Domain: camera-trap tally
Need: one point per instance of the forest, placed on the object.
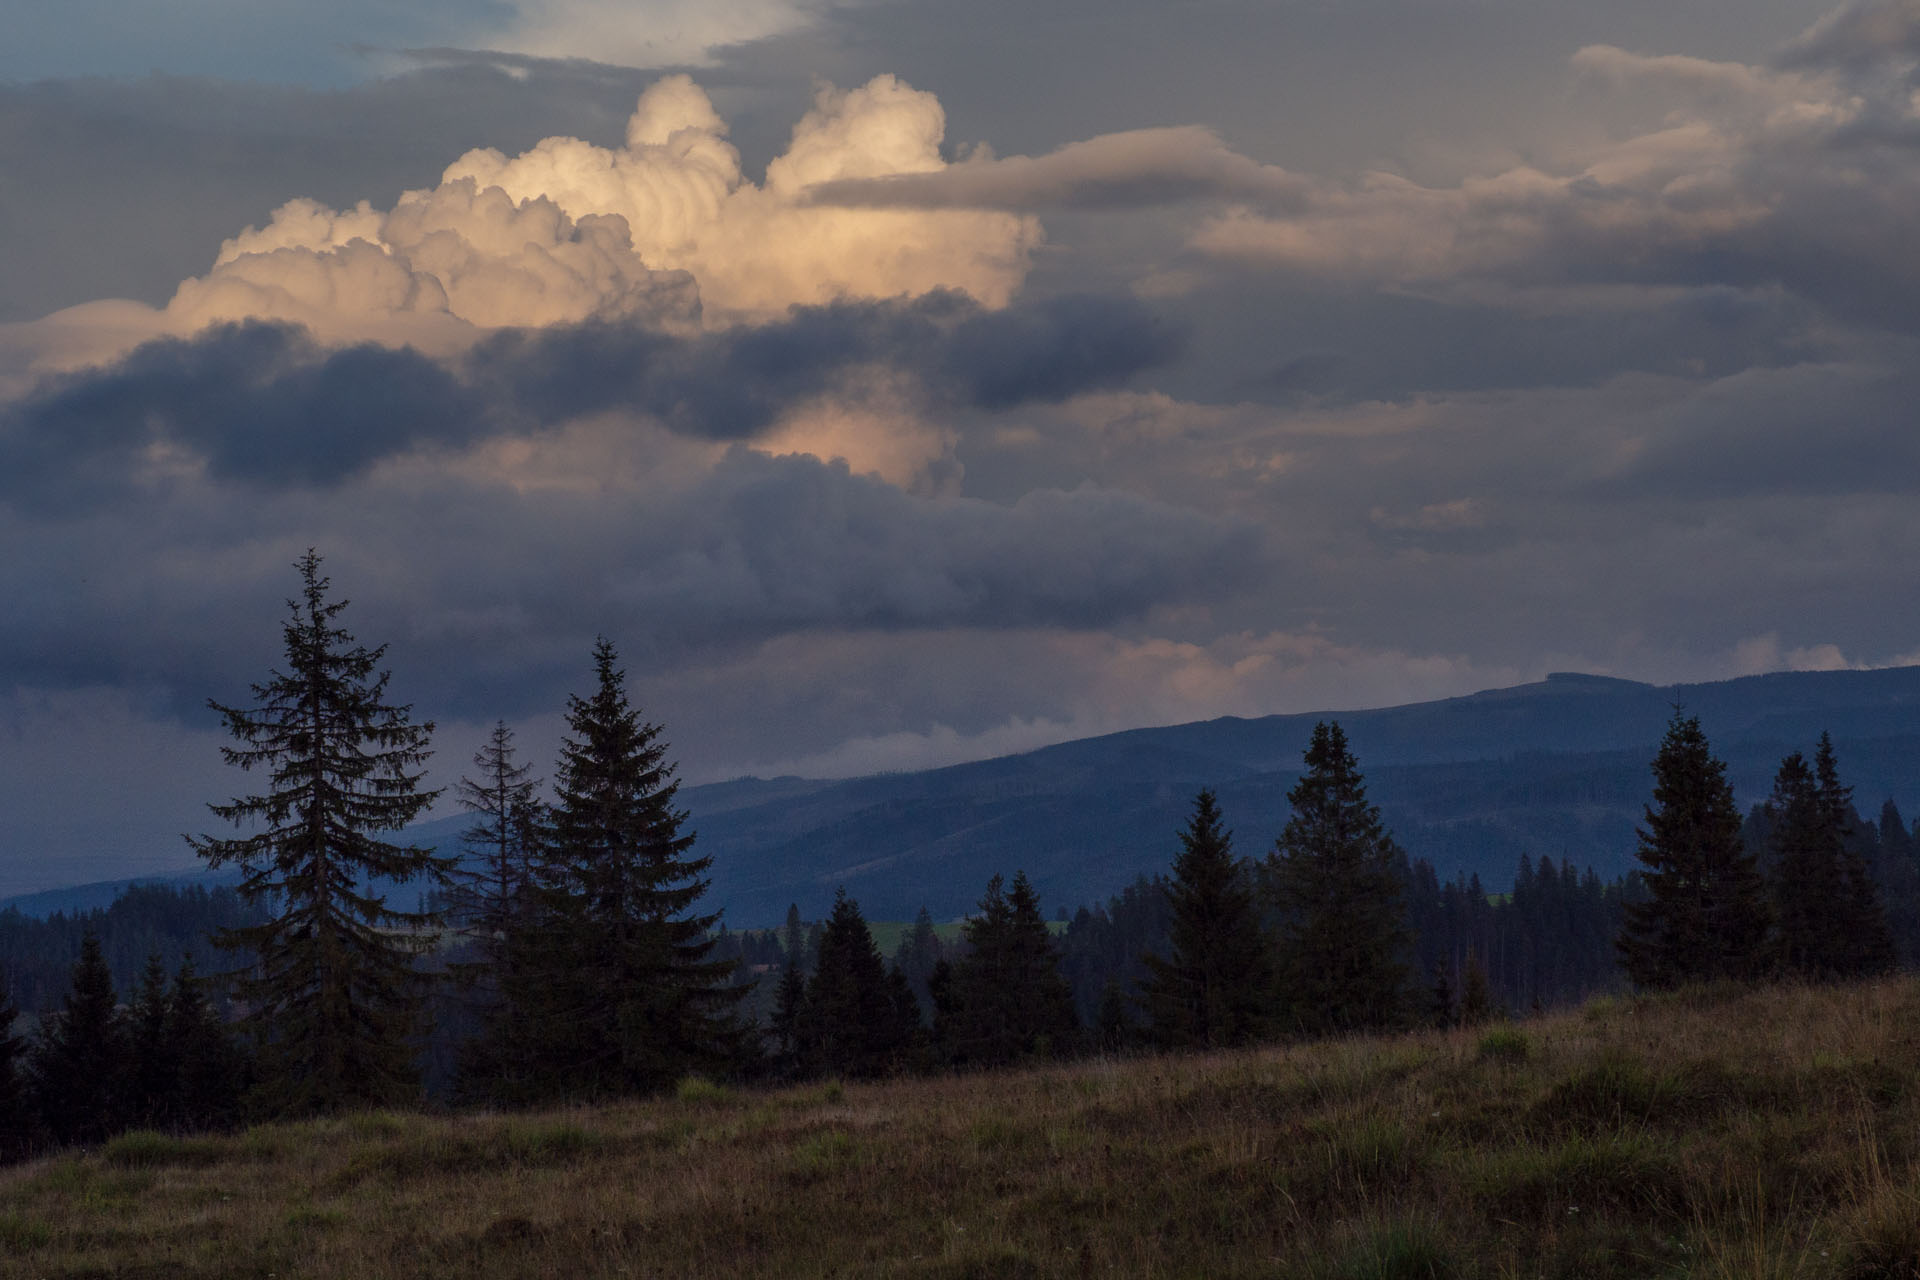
(572, 955)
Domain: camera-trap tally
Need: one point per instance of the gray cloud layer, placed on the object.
(262, 403)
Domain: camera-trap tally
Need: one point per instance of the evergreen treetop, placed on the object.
(1214, 987)
(506, 837)
(1705, 913)
(851, 1023)
(1334, 881)
(14, 1112)
(1867, 943)
(1006, 998)
(333, 995)
(618, 992)
(78, 1062)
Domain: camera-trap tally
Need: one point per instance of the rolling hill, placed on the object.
(1556, 768)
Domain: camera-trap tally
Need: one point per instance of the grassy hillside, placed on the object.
(1725, 1134)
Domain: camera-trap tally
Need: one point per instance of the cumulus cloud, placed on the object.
(1135, 169)
(1800, 175)
(664, 228)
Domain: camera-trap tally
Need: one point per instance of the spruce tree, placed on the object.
(1214, 987)
(494, 902)
(1898, 875)
(1333, 881)
(1705, 913)
(1008, 1000)
(211, 1070)
(618, 988)
(1476, 993)
(852, 1024)
(333, 995)
(505, 839)
(15, 1115)
(77, 1067)
(918, 952)
(153, 1067)
(789, 1013)
(1808, 884)
(1868, 944)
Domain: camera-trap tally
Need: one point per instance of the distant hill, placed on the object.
(1556, 768)
(1559, 767)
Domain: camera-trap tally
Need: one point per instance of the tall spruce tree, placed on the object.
(1334, 883)
(1809, 888)
(333, 997)
(15, 1116)
(78, 1063)
(1868, 945)
(1705, 914)
(1214, 987)
(506, 842)
(212, 1071)
(851, 1022)
(153, 1066)
(1007, 999)
(1897, 871)
(618, 989)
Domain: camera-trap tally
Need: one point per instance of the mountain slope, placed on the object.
(1556, 768)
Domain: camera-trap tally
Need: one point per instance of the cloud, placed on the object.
(1136, 169)
(663, 228)
(661, 33)
(266, 404)
(683, 559)
(1857, 35)
(1800, 176)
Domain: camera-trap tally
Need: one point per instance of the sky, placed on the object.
(903, 382)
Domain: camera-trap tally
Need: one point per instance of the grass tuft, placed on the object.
(698, 1089)
(1504, 1044)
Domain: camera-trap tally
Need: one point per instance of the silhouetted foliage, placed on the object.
(211, 1072)
(16, 1129)
(1214, 987)
(144, 920)
(616, 990)
(77, 1067)
(1334, 882)
(1007, 999)
(1705, 915)
(1869, 946)
(333, 997)
(851, 1021)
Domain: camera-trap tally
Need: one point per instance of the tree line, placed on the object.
(583, 964)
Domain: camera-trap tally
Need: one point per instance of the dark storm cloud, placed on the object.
(733, 384)
(261, 403)
(496, 581)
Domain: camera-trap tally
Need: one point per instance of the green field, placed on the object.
(1719, 1133)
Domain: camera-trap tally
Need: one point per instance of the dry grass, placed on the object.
(1715, 1134)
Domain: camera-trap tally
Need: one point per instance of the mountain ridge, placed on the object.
(1556, 767)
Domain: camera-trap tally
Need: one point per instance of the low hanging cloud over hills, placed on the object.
(954, 406)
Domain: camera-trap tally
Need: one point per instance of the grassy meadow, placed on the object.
(1718, 1133)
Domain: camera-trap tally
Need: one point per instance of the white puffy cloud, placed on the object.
(664, 228)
